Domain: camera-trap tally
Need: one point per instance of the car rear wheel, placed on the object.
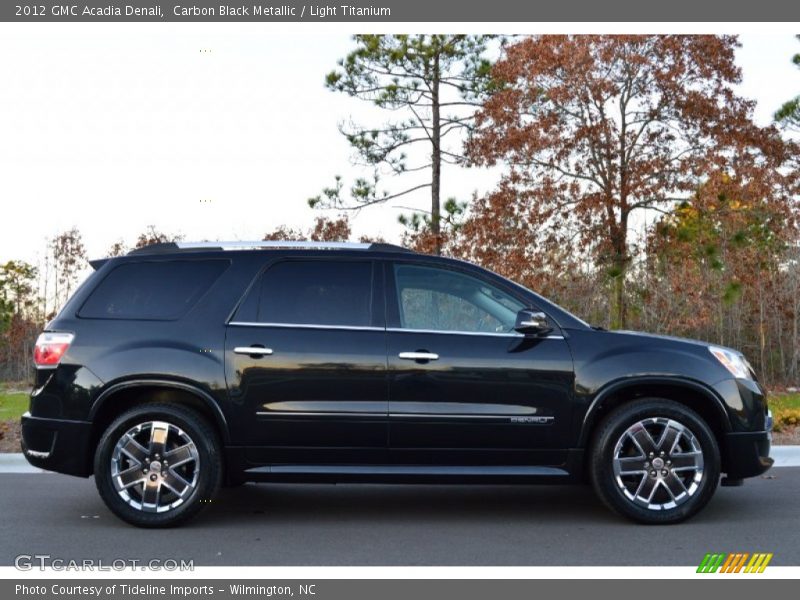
(158, 465)
(655, 461)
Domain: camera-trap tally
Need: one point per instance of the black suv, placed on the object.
(183, 367)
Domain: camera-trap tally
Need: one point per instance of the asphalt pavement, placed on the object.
(287, 524)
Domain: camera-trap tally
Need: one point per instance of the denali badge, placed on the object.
(539, 420)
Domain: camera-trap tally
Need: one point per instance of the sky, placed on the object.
(213, 133)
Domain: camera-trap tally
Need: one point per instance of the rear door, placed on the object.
(306, 359)
(464, 387)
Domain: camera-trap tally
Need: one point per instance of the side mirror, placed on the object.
(531, 321)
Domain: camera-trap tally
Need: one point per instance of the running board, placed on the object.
(401, 472)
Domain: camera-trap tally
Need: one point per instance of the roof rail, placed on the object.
(166, 247)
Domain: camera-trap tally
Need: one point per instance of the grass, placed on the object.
(785, 410)
(12, 405)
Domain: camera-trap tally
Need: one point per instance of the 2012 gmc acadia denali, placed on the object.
(179, 368)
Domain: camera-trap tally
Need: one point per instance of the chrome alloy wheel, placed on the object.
(658, 463)
(155, 466)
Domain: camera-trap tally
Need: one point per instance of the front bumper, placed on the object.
(745, 448)
(746, 454)
(57, 444)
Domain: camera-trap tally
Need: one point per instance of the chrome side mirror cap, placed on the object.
(532, 322)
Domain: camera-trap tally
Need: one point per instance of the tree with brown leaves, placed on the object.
(324, 230)
(597, 128)
(151, 235)
(68, 258)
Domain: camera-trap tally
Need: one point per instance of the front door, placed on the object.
(464, 387)
(306, 363)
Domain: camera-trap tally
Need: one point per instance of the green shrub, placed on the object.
(785, 410)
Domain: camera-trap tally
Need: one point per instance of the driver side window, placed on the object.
(443, 300)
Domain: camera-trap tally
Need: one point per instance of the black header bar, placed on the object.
(384, 11)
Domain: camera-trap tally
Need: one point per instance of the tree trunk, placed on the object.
(762, 341)
(795, 339)
(794, 290)
(619, 318)
(436, 156)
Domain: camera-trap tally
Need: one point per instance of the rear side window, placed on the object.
(314, 293)
(156, 290)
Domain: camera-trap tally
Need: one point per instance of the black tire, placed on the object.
(204, 469)
(655, 413)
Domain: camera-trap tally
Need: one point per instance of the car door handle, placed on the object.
(418, 356)
(253, 350)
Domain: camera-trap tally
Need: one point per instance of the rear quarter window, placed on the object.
(153, 290)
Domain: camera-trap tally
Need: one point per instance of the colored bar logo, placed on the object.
(736, 562)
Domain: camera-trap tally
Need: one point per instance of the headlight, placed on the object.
(733, 361)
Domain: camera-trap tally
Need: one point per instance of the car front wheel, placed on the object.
(655, 461)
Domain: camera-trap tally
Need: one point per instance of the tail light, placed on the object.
(50, 348)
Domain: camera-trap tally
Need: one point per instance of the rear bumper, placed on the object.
(746, 454)
(57, 444)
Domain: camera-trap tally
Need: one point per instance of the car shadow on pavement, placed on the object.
(574, 504)
(414, 503)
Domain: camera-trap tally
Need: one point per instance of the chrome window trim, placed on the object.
(389, 329)
(483, 333)
(446, 332)
(306, 326)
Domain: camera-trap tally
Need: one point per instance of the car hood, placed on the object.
(670, 338)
